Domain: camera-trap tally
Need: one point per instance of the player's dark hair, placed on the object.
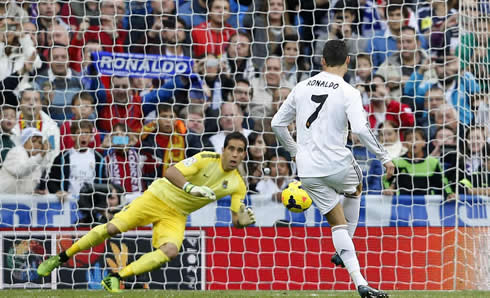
(235, 136)
(335, 53)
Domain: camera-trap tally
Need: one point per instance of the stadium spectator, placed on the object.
(16, 50)
(123, 163)
(482, 106)
(196, 138)
(98, 203)
(270, 79)
(438, 22)
(30, 29)
(163, 143)
(82, 109)
(242, 95)
(268, 26)
(294, 67)
(47, 15)
(415, 172)
(31, 115)
(280, 176)
(143, 19)
(86, 68)
(109, 32)
(78, 165)
(398, 68)
(343, 26)
(196, 12)
(10, 9)
(212, 37)
(236, 60)
(443, 146)
(383, 44)
(434, 98)
(362, 76)
(125, 107)
(474, 165)
(231, 119)
(264, 124)
(446, 116)
(86, 11)
(168, 37)
(141, 86)
(8, 116)
(383, 107)
(389, 136)
(24, 164)
(216, 84)
(256, 158)
(63, 81)
(458, 89)
(475, 51)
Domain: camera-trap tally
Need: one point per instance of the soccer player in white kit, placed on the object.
(323, 106)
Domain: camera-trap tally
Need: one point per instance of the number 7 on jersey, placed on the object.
(318, 99)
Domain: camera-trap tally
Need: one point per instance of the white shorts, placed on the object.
(326, 191)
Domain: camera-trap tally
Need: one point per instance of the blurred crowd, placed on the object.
(422, 68)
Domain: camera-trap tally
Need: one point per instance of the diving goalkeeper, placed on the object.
(188, 186)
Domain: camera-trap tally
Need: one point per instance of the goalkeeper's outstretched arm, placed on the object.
(177, 178)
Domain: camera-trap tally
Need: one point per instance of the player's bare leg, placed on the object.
(146, 263)
(345, 248)
(94, 237)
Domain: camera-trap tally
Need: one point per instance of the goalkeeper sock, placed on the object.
(351, 206)
(146, 263)
(345, 248)
(94, 237)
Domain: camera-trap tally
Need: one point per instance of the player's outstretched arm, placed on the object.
(243, 218)
(177, 178)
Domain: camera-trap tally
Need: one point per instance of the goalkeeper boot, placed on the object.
(112, 283)
(49, 265)
(337, 260)
(368, 292)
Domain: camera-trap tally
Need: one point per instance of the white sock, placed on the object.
(345, 248)
(351, 206)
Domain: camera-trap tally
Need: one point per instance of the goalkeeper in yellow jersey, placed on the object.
(186, 187)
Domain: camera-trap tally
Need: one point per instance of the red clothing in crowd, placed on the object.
(94, 33)
(66, 138)
(112, 114)
(123, 168)
(210, 41)
(397, 112)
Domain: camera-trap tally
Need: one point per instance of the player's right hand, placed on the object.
(199, 191)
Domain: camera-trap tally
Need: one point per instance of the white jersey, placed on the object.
(323, 106)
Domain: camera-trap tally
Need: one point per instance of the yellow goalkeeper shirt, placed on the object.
(202, 169)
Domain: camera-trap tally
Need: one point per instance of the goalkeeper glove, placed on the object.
(246, 216)
(199, 191)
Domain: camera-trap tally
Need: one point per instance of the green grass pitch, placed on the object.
(211, 294)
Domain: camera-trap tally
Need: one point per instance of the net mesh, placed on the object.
(112, 91)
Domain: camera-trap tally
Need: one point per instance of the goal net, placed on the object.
(99, 98)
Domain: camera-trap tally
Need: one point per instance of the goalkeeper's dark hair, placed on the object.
(236, 136)
(335, 53)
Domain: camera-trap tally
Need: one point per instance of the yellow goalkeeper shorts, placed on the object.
(168, 224)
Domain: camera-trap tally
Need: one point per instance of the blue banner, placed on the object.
(376, 211)
(139, 65)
